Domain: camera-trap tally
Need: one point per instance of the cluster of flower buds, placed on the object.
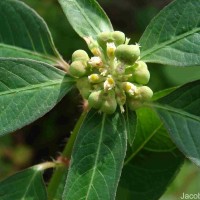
(115, 75)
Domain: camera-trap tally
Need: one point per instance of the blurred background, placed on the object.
(45, 138)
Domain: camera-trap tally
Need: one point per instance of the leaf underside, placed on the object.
(180, 113)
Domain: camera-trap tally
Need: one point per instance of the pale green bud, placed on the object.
(127, 54)
(103, 38)
(77, 69)
(95, 99)
(140, 73)
(118, 37)
(80, 55)
(109, 104)
(134, 104)
(97, 86)
(143, 93)
(109, 94)
(84, 87)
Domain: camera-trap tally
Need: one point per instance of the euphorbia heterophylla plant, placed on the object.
(119, 106)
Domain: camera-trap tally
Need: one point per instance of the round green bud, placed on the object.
(109, 95)
(118, 37)
(97, 86)
(134, 104)
(127, 54)
(84, 87)
(140, 73)
(77, 69)
(104, 37)
(80, 55)
(143, 93)
(109, 106)
(95, 99)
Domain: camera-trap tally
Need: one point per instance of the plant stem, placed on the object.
(57, 177)
(45, 165)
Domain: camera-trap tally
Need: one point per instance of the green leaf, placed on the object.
(131, 121)
(97, 158)
(150, 134)
(28, 89)
(86, 17)
(181, 115)
(24, 34)
(173, 36)
(147, 176)
(147, 173)
(163, 93)
(27, 184)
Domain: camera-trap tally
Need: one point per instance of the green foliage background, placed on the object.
(44, 138)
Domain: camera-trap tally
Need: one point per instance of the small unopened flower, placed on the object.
(130, 88)
(103, 71)
(111, 49)
(109, 83)
(94, 78)
(95, 61)
(96, 51)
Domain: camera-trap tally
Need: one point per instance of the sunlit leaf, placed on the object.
(86, 17)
